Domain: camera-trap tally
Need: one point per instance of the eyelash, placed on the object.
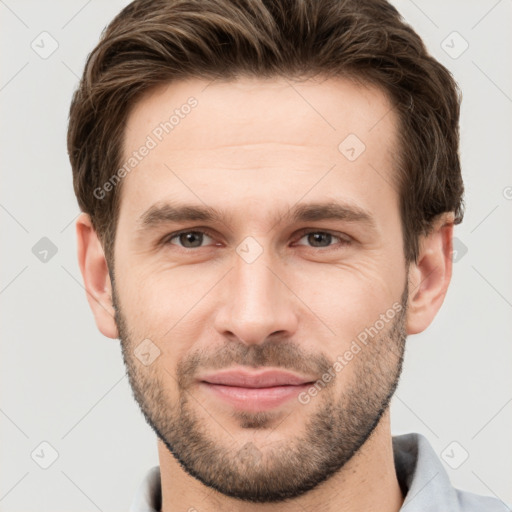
(344, 240)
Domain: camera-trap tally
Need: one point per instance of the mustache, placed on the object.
(281, 354)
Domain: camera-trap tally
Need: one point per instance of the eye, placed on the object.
(317, 239)
(187, 239)
(324, 239)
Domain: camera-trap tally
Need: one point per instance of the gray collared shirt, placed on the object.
(421, 475)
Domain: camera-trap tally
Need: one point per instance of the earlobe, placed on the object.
(430, 277)
(95, 274)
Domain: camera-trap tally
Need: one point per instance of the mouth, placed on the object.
(255, 391)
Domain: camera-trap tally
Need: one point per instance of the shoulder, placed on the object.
(470, 502)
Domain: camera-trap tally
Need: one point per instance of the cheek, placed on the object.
(167, 306)
(348, 298)
(156, 294)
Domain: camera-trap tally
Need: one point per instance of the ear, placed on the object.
(94, 269)
(430, 276)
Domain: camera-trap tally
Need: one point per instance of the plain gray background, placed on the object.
(63, 383)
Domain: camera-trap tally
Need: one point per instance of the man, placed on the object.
(269, 190)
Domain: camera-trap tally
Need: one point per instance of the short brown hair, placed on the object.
(151, 42)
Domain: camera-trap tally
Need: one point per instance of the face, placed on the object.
(259, 234)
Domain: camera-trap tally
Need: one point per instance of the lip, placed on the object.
(259, 379)
(255, 391)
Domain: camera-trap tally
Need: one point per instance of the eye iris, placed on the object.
(313, 238)
(185, 238)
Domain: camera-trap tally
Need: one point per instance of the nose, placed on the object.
(256, 302)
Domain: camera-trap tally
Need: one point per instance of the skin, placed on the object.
(254, 149)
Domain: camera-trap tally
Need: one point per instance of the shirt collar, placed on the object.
(421, 475)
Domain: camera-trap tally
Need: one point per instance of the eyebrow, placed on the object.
(165, 213)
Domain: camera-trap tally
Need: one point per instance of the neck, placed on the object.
(367, 483)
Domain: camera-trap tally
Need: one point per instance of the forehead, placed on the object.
(252, 136)
(250, 110)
